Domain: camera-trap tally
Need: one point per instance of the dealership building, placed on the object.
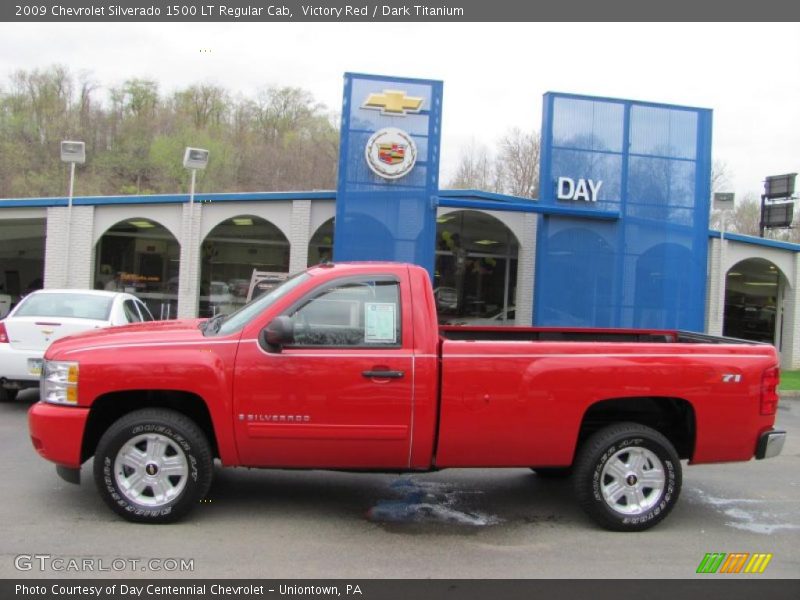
(619, 236)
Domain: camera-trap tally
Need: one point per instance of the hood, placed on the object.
(138, 334)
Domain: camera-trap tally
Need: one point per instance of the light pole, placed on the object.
(71, 152)
(193, 159)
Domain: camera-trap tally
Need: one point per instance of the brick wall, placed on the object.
(69, 248)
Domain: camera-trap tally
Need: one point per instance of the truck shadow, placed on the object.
(461, 501)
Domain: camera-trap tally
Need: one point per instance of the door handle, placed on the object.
(383, 374)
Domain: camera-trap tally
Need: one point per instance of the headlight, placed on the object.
(60, 382)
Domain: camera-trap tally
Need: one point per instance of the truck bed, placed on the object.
(518, 396)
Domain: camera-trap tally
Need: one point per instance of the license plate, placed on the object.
(35, 366)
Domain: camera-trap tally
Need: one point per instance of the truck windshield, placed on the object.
(235, 321)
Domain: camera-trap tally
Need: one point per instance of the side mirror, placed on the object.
(279, 332)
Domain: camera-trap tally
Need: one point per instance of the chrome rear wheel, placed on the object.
(627, 477)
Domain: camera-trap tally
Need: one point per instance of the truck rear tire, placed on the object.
(153, 466)
(627, 477)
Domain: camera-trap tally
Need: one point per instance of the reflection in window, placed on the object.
(229, 255)
(753, 291)
(320, 248)
(141, 257)
(588, 125)
(363, 313)
(476, 270)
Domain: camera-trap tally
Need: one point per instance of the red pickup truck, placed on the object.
(344, 367)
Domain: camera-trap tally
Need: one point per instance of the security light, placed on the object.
(723, 201)
(73, 152)
(195, 158)
(779, 186)
(778, 215)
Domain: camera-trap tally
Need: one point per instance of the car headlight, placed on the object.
(59, 382)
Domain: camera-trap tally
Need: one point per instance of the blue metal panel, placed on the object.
(649, 268)
(379, 218)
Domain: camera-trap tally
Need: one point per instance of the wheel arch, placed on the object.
(108, 408)
(674, 418)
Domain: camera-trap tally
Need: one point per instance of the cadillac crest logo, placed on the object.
(391, 153)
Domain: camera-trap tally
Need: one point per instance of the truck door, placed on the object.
(340, 393)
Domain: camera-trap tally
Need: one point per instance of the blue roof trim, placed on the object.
(481, 195)
(169, 198)
(31, 202)
(461, 201)
(470, 199)
(755, 241)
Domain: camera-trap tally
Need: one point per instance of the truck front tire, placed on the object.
(552, 472)
(153, 466)
(627, 477)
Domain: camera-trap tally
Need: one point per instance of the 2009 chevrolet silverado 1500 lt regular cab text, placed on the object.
(344, 367)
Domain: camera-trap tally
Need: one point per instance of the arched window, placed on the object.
(140, 256)
(22, 249)
(320, 248)
(475, 276)
(229, 255)
(753, 307)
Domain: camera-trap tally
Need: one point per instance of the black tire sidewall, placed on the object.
(642, 438)
(182, 433)
(8, 395)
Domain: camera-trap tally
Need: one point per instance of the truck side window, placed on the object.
(353, 314)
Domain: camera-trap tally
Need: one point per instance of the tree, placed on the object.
(746, 216)
(518, 163)
(283, 139)
(476, 170)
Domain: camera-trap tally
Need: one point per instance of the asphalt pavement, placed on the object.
(461, 523)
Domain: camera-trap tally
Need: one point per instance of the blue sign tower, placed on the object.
(388, 180)
(644, 170)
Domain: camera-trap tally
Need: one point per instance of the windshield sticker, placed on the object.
(380, 322)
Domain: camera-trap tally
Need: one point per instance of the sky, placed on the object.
(494, 73)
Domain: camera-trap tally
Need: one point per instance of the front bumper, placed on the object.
(770, 444)
(57, 432)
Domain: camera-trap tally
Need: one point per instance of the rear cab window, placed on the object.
(79, 306)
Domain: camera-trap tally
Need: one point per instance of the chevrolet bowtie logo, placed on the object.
(393, 102)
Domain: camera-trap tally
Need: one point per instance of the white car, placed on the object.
(44, 316)
(5, 305)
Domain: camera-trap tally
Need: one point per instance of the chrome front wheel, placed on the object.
(151, 470)
(153, 465)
